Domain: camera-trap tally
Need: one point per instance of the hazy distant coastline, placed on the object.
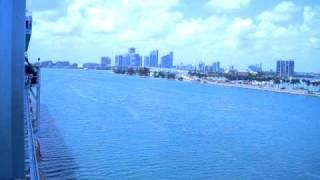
(273, 85)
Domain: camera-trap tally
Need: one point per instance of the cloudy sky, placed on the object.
(234, 32)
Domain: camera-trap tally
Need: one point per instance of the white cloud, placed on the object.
(308, 14)
(311, 19)
(240, 25)
(146, 18)
(286, 7)
(187, 28)
(283, 12)
(101, 19)
(313, 40)
(93, 28)
(227, 4)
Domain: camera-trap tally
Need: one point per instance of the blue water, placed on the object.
(97, 125)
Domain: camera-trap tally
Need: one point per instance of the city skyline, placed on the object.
(132, 58)
(233, 32)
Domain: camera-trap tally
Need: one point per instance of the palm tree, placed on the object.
(277, 81)
(294, 82)
(131, 71)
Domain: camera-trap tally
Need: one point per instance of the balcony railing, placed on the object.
(32, 119)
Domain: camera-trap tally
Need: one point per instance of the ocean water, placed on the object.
(98, 125)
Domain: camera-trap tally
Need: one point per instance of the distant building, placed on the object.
(122, 61)
(118, 61)
(132, 50)
(135, 60)
(62, 64)
(91, 65)
(126, 60)
(188, 67)
(232, 69)
(146, 61)
(243, 74)
(154, 58)
(285, 68)
(255, 68)
(208, 69)
(167, 61)
(132, 59)
(216, 67)
(46, 64)
(202, 67)
(74, 66)
(105, 62)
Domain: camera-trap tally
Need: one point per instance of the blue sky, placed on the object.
(234, 32)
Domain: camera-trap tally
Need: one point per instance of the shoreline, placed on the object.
(298, 92)
(187, 79)
(268, 89)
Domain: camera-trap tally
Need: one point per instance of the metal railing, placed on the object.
(33, 163)
(32, 125)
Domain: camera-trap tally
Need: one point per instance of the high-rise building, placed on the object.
(119, 61)
(291, 68)
(132, 59)
(135, 60)
(167, 61)
(132, 50)
(208, 68)
(285, 68)
(126, 60)
(216, 66)
(202, 67)
(146, 61)
(154, 58)
(105, 62)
